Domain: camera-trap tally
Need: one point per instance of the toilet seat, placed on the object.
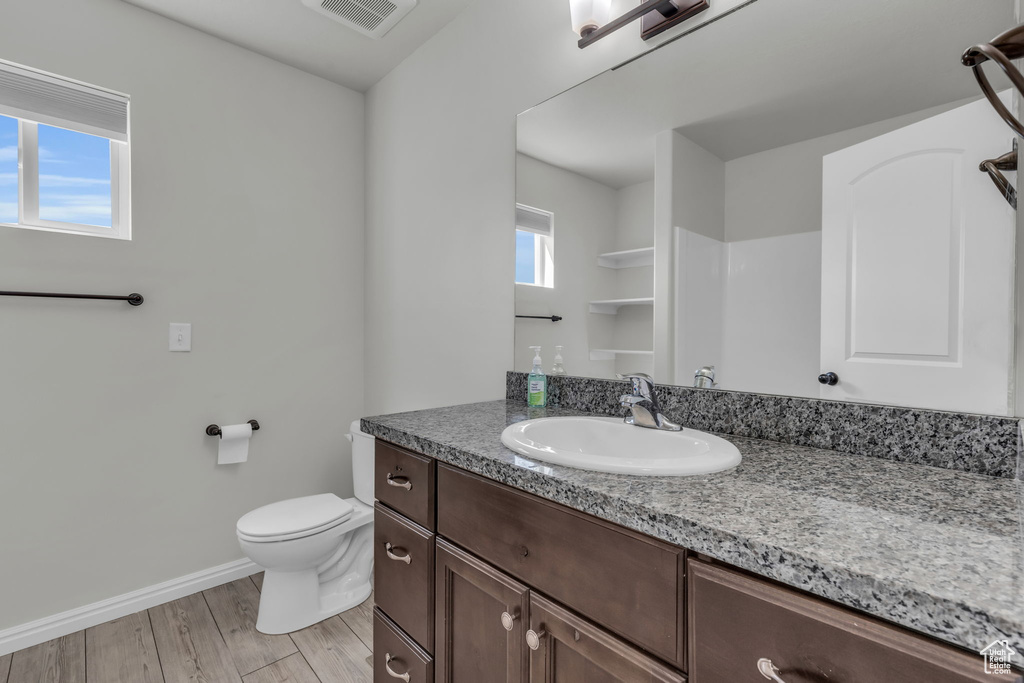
(294, 518)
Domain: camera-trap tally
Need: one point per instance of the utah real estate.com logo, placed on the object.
(997, 657)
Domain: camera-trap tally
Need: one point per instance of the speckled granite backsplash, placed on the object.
(981, 444)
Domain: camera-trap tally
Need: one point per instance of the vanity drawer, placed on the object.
(735, 620)
(628, 583)
(396, 651)
(404, 481)
(403, 574)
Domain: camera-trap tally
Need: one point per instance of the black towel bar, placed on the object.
(552, 318)
(135, 299)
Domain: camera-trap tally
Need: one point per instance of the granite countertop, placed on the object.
(935, 550)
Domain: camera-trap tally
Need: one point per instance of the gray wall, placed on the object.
(248, 223)
(778, 191)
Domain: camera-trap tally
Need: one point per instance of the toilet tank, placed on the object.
(362, 463)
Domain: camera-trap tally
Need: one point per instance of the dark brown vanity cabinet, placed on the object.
(477, 582)
(396, 655)
(739, 623)
(403, 565)
(403, 561)
(405, 482)
(627, 582)
(480, 620)
(565, 648)
(491, 627)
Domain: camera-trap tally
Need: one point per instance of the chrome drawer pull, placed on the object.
(533, 639)
(508, 620)
(399, 558)
(769, 670)
(399, 482)
(387, 667)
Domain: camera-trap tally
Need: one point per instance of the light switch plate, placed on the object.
(180, 337)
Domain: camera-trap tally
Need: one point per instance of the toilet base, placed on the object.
(293, 600)
(277, 616)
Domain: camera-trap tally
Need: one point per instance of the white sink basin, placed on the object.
(607, 444)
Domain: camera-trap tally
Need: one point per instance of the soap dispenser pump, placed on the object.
(537, 384)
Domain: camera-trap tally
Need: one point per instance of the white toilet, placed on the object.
(317, 551)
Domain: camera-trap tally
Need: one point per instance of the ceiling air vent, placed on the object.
(373, 18)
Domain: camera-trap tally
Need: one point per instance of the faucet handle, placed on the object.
(643, 385)
(635, 375)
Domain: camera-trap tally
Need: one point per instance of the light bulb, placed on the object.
(589, 15)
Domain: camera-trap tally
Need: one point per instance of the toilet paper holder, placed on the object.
(214, 430)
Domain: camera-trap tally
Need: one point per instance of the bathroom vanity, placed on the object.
(491, 567)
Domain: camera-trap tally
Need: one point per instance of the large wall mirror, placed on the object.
(791, 191)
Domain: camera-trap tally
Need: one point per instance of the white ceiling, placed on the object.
(773, 73)
(288, 31)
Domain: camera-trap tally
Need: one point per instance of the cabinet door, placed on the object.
(565, 648)
(480, 616)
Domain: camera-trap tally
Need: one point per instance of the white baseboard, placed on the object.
(48, 628)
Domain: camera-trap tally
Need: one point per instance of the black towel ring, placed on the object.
(1002, 50)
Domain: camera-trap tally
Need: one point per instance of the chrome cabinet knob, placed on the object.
(533, 639)
(389, 549)
(391, 672)
(508, 620)
(769, 670)
(399, 482)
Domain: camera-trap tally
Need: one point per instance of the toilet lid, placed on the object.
(294, 516)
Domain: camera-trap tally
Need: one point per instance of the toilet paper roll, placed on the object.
(234, 444)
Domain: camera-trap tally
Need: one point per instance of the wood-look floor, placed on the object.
(209, 637)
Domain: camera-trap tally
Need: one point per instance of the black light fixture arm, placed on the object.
(672, 12)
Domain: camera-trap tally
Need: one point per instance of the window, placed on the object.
(64, 162)
(534, 247)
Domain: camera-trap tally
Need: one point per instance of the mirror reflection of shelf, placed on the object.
(611, 306)
(631, 258)
(610, 354)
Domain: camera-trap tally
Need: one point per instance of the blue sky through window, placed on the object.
(525, 258)
(74, 177)
(8, 170)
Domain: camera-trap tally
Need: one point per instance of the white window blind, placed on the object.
(533, 220)
(52, 100)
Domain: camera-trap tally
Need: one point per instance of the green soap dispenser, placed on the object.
(537, 384)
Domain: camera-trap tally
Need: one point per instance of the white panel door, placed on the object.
(917, 267)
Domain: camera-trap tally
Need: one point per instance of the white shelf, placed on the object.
(611, 306)
(610, 354)
(631, 258)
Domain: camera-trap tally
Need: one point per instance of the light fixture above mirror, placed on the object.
(590, 18)
(589, 15)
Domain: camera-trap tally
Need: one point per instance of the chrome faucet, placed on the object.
(643, 402)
